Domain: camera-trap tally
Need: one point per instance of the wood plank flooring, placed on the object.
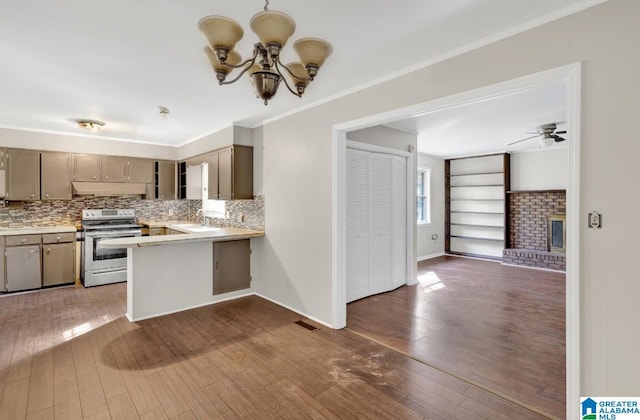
(71, 354)
(497, 326)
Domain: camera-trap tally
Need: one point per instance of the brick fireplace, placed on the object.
(531, 214)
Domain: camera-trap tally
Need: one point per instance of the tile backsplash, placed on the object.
(247, 214)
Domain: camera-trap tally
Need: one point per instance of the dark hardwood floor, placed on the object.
(71, 354)
(497, 326)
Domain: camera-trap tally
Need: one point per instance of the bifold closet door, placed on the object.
(376, 223)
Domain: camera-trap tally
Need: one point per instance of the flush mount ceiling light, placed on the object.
(91, 125)
(265, 68)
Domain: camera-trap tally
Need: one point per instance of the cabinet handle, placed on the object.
(32, 196)
(95, 177)
(24, 240)
(32, 251)
(46, 195)
(48, 250)
(216, 264)
(106, 177)
(58, 239)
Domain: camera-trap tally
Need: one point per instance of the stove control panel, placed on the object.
(99, 214)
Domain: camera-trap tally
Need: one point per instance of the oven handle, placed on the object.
(100, 235)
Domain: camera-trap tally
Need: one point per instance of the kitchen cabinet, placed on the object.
(23, 175)
(231, 270)
(140, 170)
(23, 262)
(3, 159)
(112, 168)
(58, 258)
(86, 168)
(3, 284)
(55, 170)
(235, 173)
(165, 180)
(212, 160)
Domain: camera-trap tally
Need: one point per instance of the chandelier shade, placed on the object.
(233, 58)
(221, 31)
(312, 51)
(273, 27)
(264, 68)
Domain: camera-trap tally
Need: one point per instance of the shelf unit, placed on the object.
(476, 205)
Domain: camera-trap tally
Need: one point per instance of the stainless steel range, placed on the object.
(106, 265)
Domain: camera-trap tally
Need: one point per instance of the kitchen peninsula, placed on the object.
(172, 273)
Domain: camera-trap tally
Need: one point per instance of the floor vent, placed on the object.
(305, 325)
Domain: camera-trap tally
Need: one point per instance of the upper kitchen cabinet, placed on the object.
(212, 160)
(165, 180)
(86, 168)
(113, 168)
(55, 169)
(23, 175)
(235, 173)
(3, 159)
(140, 170)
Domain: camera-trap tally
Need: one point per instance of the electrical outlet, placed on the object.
(595, 220)
(170, 212)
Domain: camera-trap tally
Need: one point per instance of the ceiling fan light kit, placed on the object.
(548, 133)
(265, 69)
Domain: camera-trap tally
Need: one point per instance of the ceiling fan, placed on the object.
(548, 133)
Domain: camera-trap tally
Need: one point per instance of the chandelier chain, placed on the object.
(266, 6)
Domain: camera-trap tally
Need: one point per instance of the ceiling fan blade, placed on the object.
(561, 132)
(528, 138)
(558, 139)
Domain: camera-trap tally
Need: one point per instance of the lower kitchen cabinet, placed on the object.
(23, 267)
(231, 270)
(155, 231)
(58, 263)
(3, 284)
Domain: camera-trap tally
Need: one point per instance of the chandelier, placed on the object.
(264, 68)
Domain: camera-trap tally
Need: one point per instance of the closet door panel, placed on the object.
(357, 224)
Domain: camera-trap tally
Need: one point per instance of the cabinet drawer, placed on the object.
(19, 240)
(154, 231)
(54, 238)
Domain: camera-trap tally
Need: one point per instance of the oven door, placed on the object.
(97, 257)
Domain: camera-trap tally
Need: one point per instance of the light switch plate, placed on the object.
(595, 220)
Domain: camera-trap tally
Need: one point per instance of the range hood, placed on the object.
(102, 189)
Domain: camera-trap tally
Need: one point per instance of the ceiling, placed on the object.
(118, 61)
(489, 126)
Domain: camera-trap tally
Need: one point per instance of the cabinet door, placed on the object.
(3, 158)
(86, 168)
(242, 173)
(225, 174)
(140, 170)
(58, 264)
(231, 270)
(23, 175)
(23, 268)
(55, 169)
(3, 284)
(212, 160)
(113, 168)
(166, 180)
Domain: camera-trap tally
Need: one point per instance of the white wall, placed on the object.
(294, 265)
(544, 169)
(428, 247)
(213, 141)
(386, 137)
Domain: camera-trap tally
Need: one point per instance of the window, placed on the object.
(424, 196)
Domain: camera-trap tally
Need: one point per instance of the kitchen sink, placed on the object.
(194, 228)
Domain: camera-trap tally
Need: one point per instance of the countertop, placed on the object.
(36, 230)
(215, 235)
(164, 223)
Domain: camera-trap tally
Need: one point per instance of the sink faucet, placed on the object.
(200, 212)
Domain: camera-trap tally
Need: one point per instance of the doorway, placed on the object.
(570, 75)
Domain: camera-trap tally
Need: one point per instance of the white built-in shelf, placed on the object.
(476, 205)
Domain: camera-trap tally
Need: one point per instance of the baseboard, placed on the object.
(430, 256)
(294, 310)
